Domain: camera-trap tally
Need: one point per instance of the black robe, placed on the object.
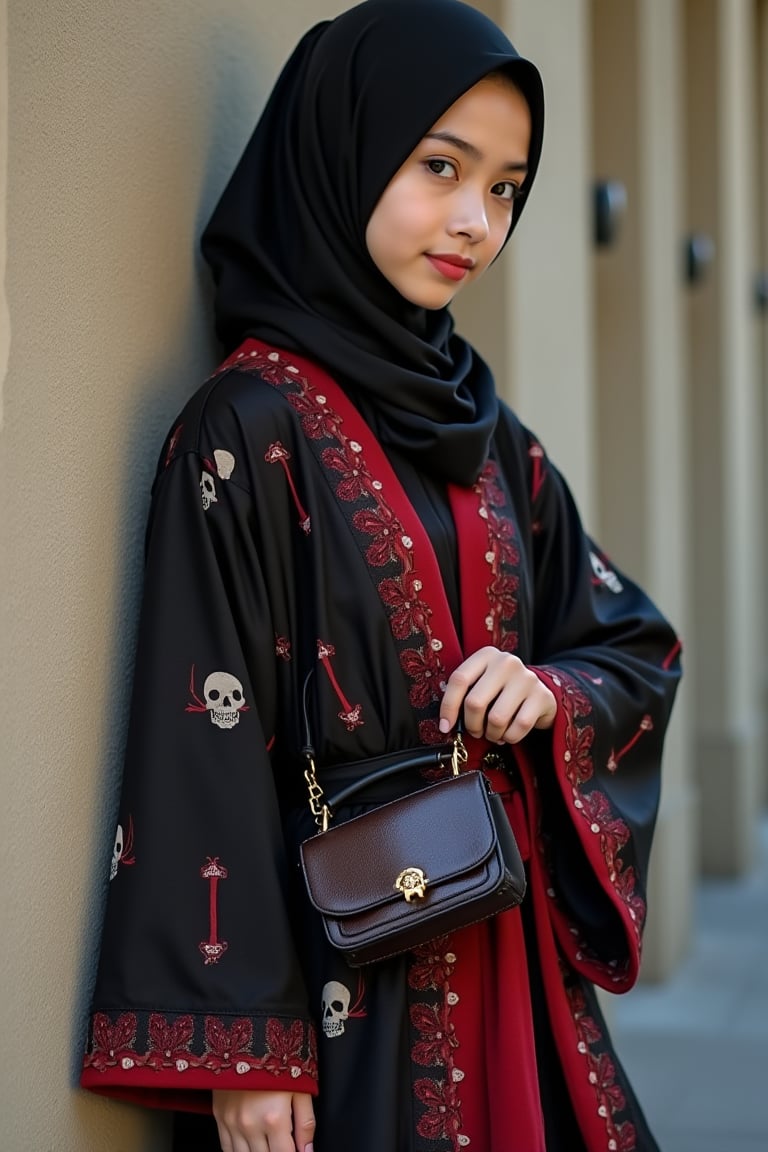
(280, 540)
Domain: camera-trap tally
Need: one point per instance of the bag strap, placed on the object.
(322, 807)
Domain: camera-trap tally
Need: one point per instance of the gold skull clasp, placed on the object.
(411, 882)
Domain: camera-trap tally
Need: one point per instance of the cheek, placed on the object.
(393, 229)
(496, 238)
(391, 217)
(403, 207)
(375, 237)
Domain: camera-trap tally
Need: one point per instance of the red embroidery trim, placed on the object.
(615, 758)
(351, 714)
(172, 444)
(501, 556)
(283, 647)
(673, 652)
(622, 1137)
(594, 806)
(278, 454)
(409, 614)
(430, 973)
(538, 471)
(170, 1042)
(213, 949)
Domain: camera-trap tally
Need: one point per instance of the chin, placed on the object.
(442, 304)
(430, 301)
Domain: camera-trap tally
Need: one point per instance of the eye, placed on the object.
(444, 168)
(507, 190)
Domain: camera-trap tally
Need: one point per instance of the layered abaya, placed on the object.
(347, 494)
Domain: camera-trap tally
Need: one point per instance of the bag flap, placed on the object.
(446, 830)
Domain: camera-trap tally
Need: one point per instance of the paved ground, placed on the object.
(696, 1047)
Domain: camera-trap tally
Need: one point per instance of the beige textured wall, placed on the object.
(5, 334)
(728, 520)
(552, 315)
(761, 158)
(637, 52)
(123, 120)
(532, 313)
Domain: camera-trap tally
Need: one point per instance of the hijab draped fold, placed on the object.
(286, 242)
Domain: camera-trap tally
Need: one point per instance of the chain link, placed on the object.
(322, 812)
(319, 809)
(459, 755)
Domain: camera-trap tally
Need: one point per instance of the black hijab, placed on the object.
(286, 242)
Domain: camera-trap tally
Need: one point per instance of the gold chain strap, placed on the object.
(459, 755)
(320, 809)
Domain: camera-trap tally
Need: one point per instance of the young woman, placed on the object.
(347, 495)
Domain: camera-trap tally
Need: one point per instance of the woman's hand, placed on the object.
(264, 1121)
(502, 698)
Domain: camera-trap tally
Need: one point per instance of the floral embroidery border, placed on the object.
(389, 550)
(385, 545)
(602, 1073)
(503, 559)
(159, 1042)
(593, 806)
(434, 1045)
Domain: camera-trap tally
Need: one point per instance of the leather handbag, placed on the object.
(417, 867)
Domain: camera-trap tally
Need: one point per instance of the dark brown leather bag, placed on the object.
(414, 868)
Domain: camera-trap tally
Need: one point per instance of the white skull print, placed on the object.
(225, 463)
(208, 490)
(336, 998)
(605, 575)
(223, 699)
(117, 852)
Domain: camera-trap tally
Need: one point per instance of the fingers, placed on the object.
(459, 684)
(255, 1121)
(239, 1139)
(303, 1122)
(244, 1143)
(537, 711)
(501, 698)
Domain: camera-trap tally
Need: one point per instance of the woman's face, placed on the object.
(444, 216)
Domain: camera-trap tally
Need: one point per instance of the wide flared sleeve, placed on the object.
(613, 663)
(199, 984)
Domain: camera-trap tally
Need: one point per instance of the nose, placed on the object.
(469, 217)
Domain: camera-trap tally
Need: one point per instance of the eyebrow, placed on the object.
(473, 152)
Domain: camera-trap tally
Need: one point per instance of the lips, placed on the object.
(451, 266)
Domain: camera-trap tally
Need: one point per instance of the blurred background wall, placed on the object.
(641, 361)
